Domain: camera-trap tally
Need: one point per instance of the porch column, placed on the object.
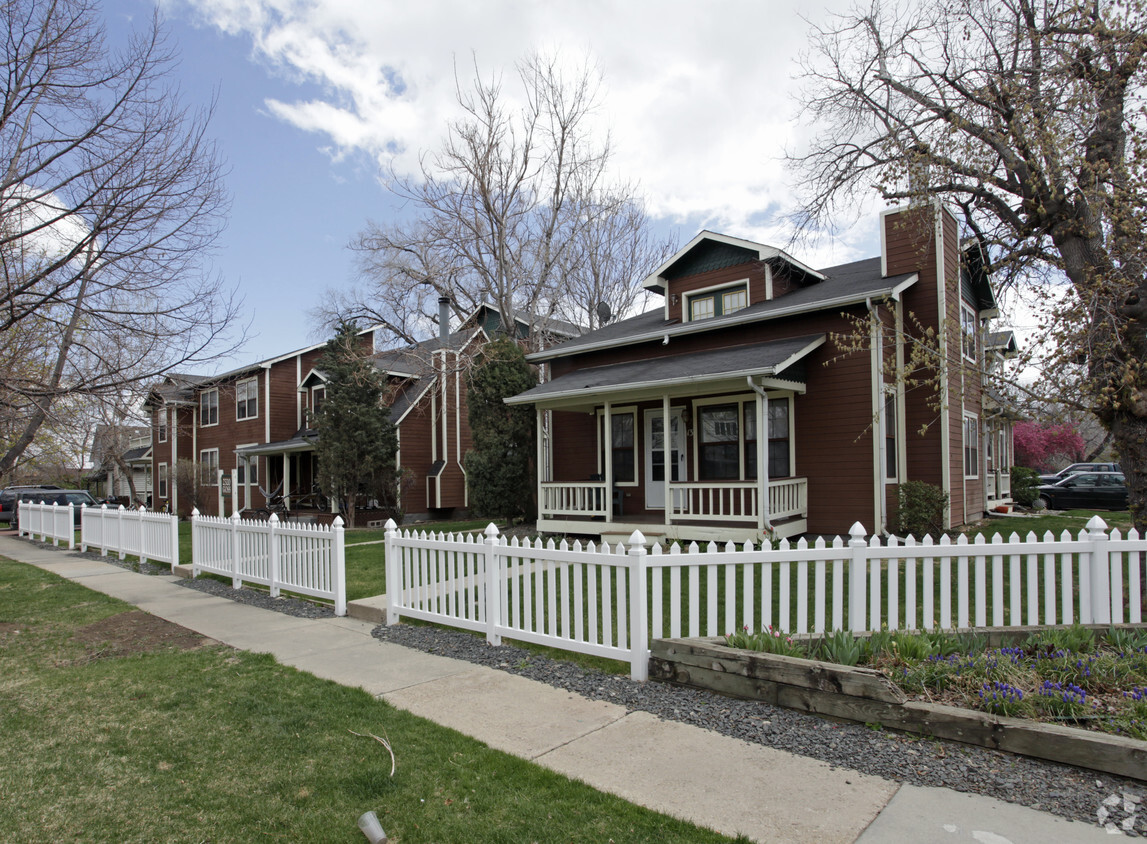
(287, 480)
(666, 452)
(247, 481)
(540, 468)
(764, 511)
(608, 439)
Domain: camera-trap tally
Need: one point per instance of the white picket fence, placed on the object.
(141, 533)
(610, 601)
(48, 521)
(306, 559)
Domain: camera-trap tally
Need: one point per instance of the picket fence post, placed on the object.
(71, 526)
(103, 530)
(83, 531)
(393, 574)
(142, 544)
(196, 552)
(638, 612)
(236, 575)
(119, 531)
(493, 602)
(1100, 571)
(273, 553)
(857, 575)
(175, 540)
(338, 564)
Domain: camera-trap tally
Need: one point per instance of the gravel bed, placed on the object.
(1118, 803)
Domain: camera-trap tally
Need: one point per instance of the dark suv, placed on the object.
(54, 495)
(10, 495)
(1076, 468)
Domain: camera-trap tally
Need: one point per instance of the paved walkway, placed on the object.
(710, 779)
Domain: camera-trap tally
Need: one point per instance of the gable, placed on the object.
(707, 256)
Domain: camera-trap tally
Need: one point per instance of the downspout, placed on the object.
(764, 515)
(879, 445)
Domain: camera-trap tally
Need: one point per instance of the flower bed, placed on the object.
(1026, 692)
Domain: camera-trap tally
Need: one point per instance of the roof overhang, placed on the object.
(290, 446)
(743, 317)
(710, 371)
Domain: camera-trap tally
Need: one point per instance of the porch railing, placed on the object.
(584, 498)
(714, 501)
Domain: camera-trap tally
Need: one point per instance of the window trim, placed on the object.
(161, 426)
(161, 481)
(599, 427)
(214, 480)
(254, 381)
(717, 293)
(975, 423)
(202, 396)
(891, 435)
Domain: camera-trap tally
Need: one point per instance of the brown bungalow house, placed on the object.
(784, 409)
(247, 429)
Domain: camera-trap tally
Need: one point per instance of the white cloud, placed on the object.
(697, 97)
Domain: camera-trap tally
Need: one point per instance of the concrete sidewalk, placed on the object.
(712, 780)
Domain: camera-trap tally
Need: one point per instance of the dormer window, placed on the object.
(717, 302)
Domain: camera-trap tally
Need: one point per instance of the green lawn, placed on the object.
(106, 744)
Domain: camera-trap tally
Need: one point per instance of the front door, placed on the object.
(655, 455)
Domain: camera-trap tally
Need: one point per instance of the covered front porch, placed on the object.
(609, 463)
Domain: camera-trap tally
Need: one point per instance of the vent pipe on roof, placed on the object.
(444, 321)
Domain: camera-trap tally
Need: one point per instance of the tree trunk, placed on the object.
(1130, 434)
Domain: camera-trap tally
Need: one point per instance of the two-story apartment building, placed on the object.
(765, 395)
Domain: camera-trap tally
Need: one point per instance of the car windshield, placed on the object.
(80, 498)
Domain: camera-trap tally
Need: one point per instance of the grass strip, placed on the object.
(113, 738)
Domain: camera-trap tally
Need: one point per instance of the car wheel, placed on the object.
(1040, 503)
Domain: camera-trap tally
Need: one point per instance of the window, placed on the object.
(890, 438)
(209, 408)
(161, 435)
(242, 465)
(161, 483)
(702, 308)
(971, 447)
(968, 332)
(715, 303)
(622, 444)
(209, 467)
(247, 399)
(318, 396)
(719, 444)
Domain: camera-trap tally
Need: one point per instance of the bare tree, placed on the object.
(110, 200)
(512, 210)
(1023, 115)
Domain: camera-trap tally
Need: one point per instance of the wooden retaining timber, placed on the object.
(867, 696)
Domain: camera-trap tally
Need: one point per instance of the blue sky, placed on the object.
(313, 98)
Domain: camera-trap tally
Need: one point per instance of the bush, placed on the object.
(1025, 485)
(921, 509)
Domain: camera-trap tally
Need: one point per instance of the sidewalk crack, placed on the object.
(616, 720)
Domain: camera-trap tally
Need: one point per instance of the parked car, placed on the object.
(78, 497)
(11, 494)
(1076, 468)
(1085, 491)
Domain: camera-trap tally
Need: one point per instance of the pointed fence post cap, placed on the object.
(274, 517)
(1096, 525)
(235, 516)
(195, 514)
(857, 531)
(636, 538)
(338, 522)
(390, 525)
(142, 509)
(491, 531)
(102, 506)
(119, 507)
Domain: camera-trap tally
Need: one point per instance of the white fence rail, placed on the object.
(48, 521)
(307, 559)
(142, 533)
(608, 602)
